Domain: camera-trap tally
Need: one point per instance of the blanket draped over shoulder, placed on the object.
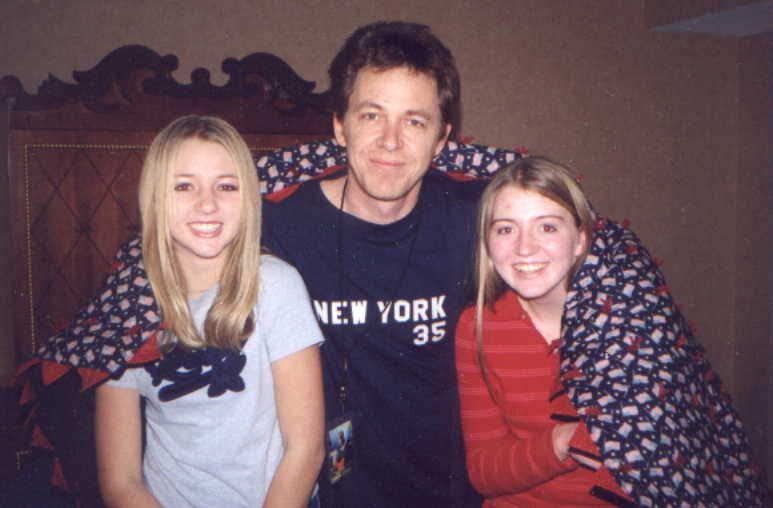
(631, 366)
(657, 412)
(118, 327)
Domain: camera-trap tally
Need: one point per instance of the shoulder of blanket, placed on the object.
(613, 247)
(281, 195)
(628, 352)
(116, 323)
(38, 373)
(99, 350)
(325, 152)
(457, 185)
(283, 167)
(473, 159)
(619, 282)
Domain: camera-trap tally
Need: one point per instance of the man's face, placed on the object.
(392, 130)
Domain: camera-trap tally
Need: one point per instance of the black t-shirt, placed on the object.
(388, 298)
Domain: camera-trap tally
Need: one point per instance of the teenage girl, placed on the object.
(234, 407)
(580, 383)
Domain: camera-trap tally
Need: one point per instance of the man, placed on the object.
(384, 246)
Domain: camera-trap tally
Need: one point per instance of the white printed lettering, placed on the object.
(359, 312)
(336, 311)
(420, 334)
(437, 307)
(420, 307)
(383, 308)
(321, 310)
(402, 311)
(438, 331)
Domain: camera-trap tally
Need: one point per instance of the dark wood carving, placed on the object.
(132, 88)
(75, 151)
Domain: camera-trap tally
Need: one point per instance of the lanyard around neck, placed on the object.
(349, 346)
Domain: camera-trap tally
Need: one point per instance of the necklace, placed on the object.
(348, 346)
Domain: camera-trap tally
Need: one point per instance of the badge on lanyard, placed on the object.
(340, 448)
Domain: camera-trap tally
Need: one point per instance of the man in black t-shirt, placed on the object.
(384, 246)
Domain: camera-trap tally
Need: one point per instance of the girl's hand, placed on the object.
(562, 435)
(586, 461)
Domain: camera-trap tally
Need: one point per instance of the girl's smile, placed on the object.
(533, 243)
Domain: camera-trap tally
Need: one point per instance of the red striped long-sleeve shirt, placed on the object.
(510, 455)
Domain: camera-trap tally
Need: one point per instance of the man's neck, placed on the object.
(364, 207)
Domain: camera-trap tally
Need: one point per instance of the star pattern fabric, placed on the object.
(635, 373)
(287, 166)
(105, 336)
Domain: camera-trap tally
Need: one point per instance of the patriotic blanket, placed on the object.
(122, 319)
(630, 364)
(658, 413)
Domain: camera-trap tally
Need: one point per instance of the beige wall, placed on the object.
(753, 243)
(667, 128)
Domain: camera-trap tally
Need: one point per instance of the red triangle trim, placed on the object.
(285, 193)
(57, 476)
(28, 394)
(90, 377)
(147, 352)
(51, 371)
(39, 439)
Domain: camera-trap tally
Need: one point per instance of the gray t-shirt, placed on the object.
(223, 451)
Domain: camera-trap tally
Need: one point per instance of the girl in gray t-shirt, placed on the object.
(234, 408)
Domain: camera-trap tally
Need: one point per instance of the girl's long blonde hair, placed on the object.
(548, 179)
(230, 318)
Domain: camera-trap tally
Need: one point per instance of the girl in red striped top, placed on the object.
(525, 445)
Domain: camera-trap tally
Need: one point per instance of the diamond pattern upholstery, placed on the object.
(80, 204)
